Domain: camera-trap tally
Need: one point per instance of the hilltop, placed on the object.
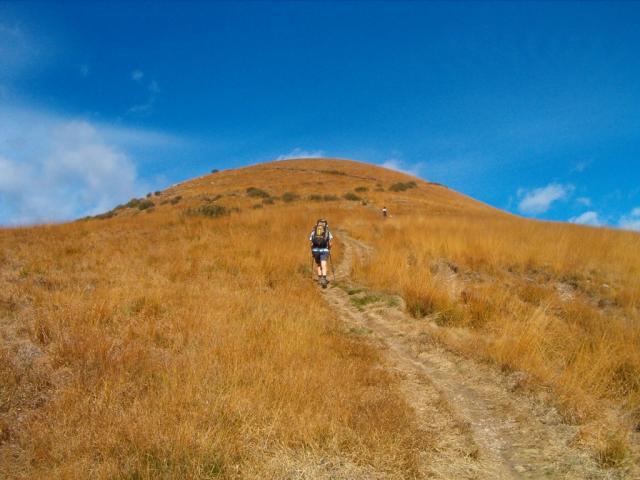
(318, 180)
(180, 336)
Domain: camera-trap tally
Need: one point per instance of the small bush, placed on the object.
(333, 172)
(212, 211)
(215, 170)
(315, 197)
(149, 195)
(256, 206)
(104, 216)
(401, 187)
(268, 201)
(290, 196)
(256, 192)
(144, 204)
(157, 192)
(133, 203)
(351, 196)
(176, 200)
(330, 198)
(362, 189)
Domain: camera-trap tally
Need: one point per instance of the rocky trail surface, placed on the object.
(477, 422)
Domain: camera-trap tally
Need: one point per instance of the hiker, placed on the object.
(320, 239)
(384, 212)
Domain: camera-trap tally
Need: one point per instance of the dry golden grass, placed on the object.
(559, 302)
(183, 347)
(162, 343)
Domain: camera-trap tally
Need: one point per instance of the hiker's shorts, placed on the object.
(320, 256)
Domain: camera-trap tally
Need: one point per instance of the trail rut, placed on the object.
(481, 428)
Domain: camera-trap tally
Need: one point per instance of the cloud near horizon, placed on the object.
(587, 218)
(402, 166)
(301, 153)
(540, 200)
(631, 221)
(55, 169)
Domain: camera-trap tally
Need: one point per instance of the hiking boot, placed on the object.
(324, 282)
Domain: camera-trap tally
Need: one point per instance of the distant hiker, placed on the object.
(320, 239)
(384, 212)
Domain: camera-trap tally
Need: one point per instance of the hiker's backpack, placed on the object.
(320, 237)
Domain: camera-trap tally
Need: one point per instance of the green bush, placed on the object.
(144, 204)
(104, 216)
(330, 198)
(401, 187)
(256, 192)
(315, 197)
(268, 201)
(351, 196)
(211, 211)
(362, 189)
(290, 196)
(133, 203)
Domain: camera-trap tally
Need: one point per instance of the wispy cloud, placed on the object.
(137, 75)
(85, 70)
(587, 218)
(301, 153)
(402, 166)
(540, 200)
(631, 221)
(55, 168)
(584, 201)
(153, 89)
(580, 167)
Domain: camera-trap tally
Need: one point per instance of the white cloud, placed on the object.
(153, 89)
(631, 221)
(539, 200)
(581, 166)
(401, 166)
(584, 201)
(300, 153)
(54, 168)
(587, 218)
(137, 75)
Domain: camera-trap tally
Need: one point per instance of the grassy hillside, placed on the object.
(179, 336)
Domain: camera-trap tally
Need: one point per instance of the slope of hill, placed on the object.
(180, 336)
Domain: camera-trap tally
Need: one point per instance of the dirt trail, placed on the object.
(481, 427)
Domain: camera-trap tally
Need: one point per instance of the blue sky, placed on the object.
(530, 107)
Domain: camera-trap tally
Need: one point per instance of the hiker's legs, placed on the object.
(321, 263)
(317, 257)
